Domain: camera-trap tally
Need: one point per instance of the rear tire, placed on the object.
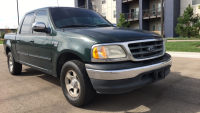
(13, 67)
(76, 84)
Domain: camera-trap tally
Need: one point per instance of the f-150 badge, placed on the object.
(55, 43)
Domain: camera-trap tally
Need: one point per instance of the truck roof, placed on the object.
(44, 8)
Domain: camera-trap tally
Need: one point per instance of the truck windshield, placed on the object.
(76, 17)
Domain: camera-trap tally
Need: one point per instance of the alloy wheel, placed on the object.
(10, 64)
(72, 83)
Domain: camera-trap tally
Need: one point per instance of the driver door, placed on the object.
(40, 49)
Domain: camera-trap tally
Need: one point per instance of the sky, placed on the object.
(8, 9)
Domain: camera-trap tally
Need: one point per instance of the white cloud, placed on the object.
(8, 9)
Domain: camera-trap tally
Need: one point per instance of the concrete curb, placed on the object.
(185, 54)
(182, 40)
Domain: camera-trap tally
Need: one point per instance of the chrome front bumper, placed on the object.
(125, 73)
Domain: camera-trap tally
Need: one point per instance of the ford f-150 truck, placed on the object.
(86, 52)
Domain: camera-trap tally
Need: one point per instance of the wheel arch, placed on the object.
(63, 58)
(7, 50)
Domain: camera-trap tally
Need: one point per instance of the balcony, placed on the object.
(103, 1)
(83, 6)
(124, 1)
(152, 13)
(132, 16)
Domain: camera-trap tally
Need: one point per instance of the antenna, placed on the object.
(57, 3)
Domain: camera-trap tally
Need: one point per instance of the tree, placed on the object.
(2, 35)
(15, 31)
(122, 21)
(7, 30)
(188, 24)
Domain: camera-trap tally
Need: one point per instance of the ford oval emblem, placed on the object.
(151, 49)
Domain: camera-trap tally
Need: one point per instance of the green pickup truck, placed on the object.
(86, 52)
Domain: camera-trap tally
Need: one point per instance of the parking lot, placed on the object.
(34, 91)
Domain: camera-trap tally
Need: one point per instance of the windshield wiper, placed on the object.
(103, 25)
(78, 25)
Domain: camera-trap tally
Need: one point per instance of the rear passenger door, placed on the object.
(41, 45)
(22, 39)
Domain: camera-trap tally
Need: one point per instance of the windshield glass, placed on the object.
(75, 17)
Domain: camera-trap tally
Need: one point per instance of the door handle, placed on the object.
(31, 41)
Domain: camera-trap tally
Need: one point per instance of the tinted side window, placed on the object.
(41, 17)
(26, 24)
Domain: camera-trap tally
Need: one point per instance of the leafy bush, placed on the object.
(2, 35)
(122, 22)
(188, 24)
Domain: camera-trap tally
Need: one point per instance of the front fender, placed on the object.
(79, 45)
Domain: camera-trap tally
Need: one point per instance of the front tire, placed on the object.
(13, 67)
(76, 84)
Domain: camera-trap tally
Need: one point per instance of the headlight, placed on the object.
(108, 52)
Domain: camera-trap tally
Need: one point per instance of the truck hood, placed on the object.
(115, 34)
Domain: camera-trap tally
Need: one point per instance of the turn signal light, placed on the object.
(99, 52)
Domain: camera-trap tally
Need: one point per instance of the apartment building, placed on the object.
(106, 8)
(142, 14)
(194, 3)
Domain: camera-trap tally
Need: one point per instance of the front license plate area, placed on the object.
(159, 74)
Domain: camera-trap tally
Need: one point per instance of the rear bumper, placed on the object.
(124, 80)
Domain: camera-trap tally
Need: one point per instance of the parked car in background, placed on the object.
(115, 25)
(86, 52)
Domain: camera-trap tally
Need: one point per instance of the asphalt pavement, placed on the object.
(34, 91)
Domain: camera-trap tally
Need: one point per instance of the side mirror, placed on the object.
(39, 27)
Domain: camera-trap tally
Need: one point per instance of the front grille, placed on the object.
(145, 50)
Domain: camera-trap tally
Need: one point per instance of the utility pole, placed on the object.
(57, 3)
(18, 12)
(162, 18)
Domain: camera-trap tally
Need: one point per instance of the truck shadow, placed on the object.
(176, 93)
(30, 72)
(44, 76)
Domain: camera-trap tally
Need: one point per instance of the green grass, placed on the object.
(1, 41)
(183, 38)
(183, 46)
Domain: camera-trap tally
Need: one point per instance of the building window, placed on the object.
(103, 1)
(153, 27)
(195, 2)
(159, 7)
(104, 14)
(159, 27)
(114, 14)
(135, 13)
(154, 9)
(94, 7)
